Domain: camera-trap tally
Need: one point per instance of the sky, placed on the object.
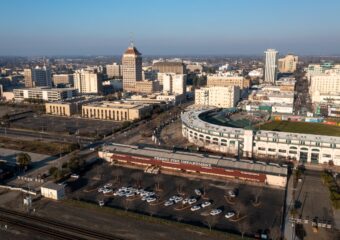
(169, 27)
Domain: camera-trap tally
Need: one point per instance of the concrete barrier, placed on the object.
(18, 189)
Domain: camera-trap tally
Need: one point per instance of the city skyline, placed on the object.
(36, 28)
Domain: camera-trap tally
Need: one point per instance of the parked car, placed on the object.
(75, 176)
(229, 214)
(205, 204)
(101, 203)
(151, 199)
(185, 200)
(107, 190)
(231, 193)
(178, 199)
(195, 208)
(198, 192)
(192, 201)
(168, 203)
(215, 212)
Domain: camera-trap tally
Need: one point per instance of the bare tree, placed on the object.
(117, 173)
(205, 187)
(275, 233)
(243, 227)
(152, 209)
(137, 177)
(158, 179)
(210, 221)
(240, 208)
(257, 192)
(180, 183)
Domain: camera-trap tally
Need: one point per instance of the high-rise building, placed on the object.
(321, 69)
(222, 80)
(132, 68)
(223, 97)
(174, 83)
(28, 77)
(325, 88)
(169, 67)
(87, 82)
(41, 77)
(270, 69)
(114, 70)
(62, 79)
(288, 63)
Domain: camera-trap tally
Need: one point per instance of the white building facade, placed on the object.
(271, 59)
(87, 82)
(223, 97)
(304, 148)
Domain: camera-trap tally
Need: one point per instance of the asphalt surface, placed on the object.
(267, 216)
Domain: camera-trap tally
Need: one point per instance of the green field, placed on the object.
(301, 127)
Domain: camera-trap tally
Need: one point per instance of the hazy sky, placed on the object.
(178, 27)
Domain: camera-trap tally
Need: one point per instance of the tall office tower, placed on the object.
(114, 70)
(28, 77)
(288, 63)
(270, 69)
(87, 82)
(41, 77)
(132, 68)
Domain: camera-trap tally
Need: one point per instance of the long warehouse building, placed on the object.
(207, 164)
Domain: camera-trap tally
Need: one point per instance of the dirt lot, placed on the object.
(171, 135)
(83, 127)
(43, 147)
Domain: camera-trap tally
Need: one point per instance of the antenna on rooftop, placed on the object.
(131, 39)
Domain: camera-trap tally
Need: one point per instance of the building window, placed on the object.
(302, 142)
(282, 151)
(274, 139)
(262, 149)
(292, 152)
(288, 141)
(271, 149)
(317, 144)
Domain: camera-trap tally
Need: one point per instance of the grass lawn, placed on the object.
(301, 127)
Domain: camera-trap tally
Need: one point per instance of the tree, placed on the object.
(257, 192)
(210, 221)
(158, 179)
(239, 207)
(180, 183)
(23, 160)
(117, 174)
(137, 177)
(52, 170)
(243, 227)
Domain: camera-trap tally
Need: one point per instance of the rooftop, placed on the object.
(198, 158)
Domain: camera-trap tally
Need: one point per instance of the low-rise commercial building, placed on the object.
(69, 107)
(53, 191)
(46, 94)
(196, 163)
(147, 86)
(116, 111)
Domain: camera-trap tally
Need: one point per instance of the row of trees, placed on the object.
(75, 164)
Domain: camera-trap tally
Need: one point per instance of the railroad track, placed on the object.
(52, 227)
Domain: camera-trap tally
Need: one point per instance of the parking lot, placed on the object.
(83, 127)
(248, 217)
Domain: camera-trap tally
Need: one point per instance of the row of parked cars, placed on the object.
(150, 196)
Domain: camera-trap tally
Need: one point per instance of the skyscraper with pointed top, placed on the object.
(132, 68)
